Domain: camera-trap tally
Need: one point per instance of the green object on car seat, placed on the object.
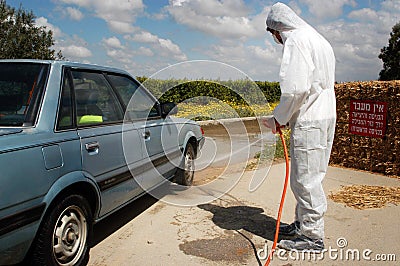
(90, 119)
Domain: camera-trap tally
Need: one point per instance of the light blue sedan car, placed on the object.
(78, 142)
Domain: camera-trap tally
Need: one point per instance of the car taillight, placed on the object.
(202, 131)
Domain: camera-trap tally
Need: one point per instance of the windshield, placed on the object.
(21, 87)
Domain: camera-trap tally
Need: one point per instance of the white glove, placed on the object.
(271, 123)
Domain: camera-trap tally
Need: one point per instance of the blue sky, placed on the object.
(145, 36)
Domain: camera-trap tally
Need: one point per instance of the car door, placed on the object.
(158, 135)
(99, 116)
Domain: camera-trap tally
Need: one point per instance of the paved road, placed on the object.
(232, 229)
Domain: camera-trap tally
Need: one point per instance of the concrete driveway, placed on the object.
(233, 229)
(238, 228)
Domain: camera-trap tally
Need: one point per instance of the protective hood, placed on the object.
(307, 72)
(283, 18)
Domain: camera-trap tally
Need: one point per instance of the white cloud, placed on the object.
(214, 8)
(391, 5)
(357, 44)
(269, 53)
(163, 47)
(42, 21)
(224, 19)
(233, 32)
(365, 14)
(128, 56)
(169, 47)
(328, 9)
(119, 53)
(74, 13)
(73, 48)
(380, 21)
(75, 51)
(145, 37)
(120, 56)
(84, 3)
(113, 42)
(145, 51)
(121, 27)
(258, 62)
(159, 16)
(176, 2)
(119, 14)
(123, 54)
(294, 5)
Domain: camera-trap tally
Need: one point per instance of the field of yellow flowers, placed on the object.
(214, 110)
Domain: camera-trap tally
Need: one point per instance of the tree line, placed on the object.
(240, 92)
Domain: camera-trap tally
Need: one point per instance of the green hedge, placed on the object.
(243, 92)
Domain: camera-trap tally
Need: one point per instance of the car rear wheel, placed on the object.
(185, 173)
(63, 237)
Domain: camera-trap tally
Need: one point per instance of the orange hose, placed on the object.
(278, 220)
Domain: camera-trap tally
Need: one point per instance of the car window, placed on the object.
(65, 118)
(21, 90)
(139, 104)
(94, 99)
(124, 86)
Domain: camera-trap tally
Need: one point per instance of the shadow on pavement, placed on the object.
(250, 219)
(247, 218)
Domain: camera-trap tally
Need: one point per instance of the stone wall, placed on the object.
(374, 154)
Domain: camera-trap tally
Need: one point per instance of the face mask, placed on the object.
(276, 39)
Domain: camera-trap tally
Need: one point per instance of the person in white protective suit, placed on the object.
(308, 105)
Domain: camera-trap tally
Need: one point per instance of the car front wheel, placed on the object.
(185, 173)
(63, 237)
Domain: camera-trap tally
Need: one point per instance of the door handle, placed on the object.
(146, 135)
(92, 147)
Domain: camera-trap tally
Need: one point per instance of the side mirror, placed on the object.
(168, 109)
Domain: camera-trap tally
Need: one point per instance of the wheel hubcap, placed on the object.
(69, 238)
(189, 167)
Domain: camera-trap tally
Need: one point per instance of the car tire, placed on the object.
(63, 238)
(185, 173)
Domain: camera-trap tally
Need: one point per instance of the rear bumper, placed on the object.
(200, 143)
(199, 146)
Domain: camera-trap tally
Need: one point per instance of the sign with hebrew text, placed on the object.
(368, 118)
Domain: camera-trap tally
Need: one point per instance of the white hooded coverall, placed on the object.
(308, 104)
